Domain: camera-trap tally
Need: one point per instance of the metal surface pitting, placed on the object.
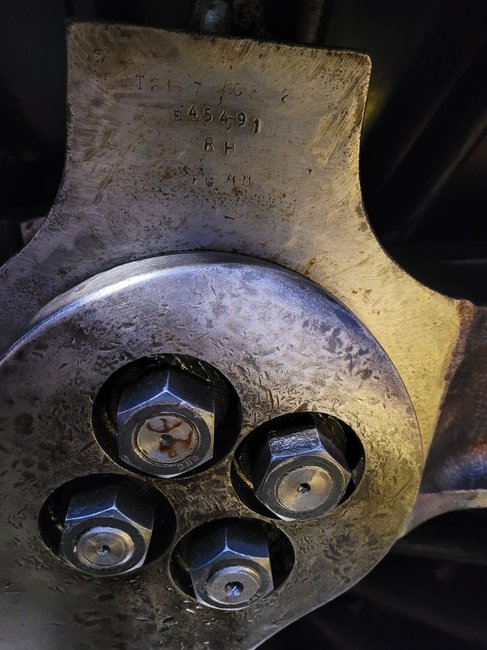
(182, 143)
(179, 142)
(284, 345)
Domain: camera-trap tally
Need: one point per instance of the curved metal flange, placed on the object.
(285, 346)
(455, 473)
(432, 504)
(180, 142)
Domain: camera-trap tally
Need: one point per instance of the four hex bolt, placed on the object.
(166, 428)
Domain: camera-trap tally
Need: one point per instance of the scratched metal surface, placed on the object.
(180, 142)
(284, 345)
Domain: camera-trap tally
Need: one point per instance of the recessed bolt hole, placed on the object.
(234, 589)
(234, 581)
(163, 442)
(299, 490)
(114, 547)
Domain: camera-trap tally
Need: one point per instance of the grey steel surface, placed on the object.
(234, 585)
(305, 488)
(142, 179)
(181, 143)
(285, 346)
(104, 546)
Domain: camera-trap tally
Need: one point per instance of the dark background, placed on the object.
(423, 174)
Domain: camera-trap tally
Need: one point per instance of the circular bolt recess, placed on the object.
(106, 531)
(166, 423)
(104, 546)
(301, 473)
(230, 565)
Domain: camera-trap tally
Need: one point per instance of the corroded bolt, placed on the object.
(301, 472)
(166, 423)
(106, 531)
(230, 565)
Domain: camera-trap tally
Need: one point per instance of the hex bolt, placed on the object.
(230, 565)
(301, 472)
(106, 532)
(166, 423)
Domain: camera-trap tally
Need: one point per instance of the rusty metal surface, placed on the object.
(178, 142)
(270, 355)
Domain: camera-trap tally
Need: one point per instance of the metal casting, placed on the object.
(211, 207)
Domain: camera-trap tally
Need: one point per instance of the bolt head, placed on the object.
(104, 546)
(106, 531)
(301, 473)
(166, 423)
(230, 566)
